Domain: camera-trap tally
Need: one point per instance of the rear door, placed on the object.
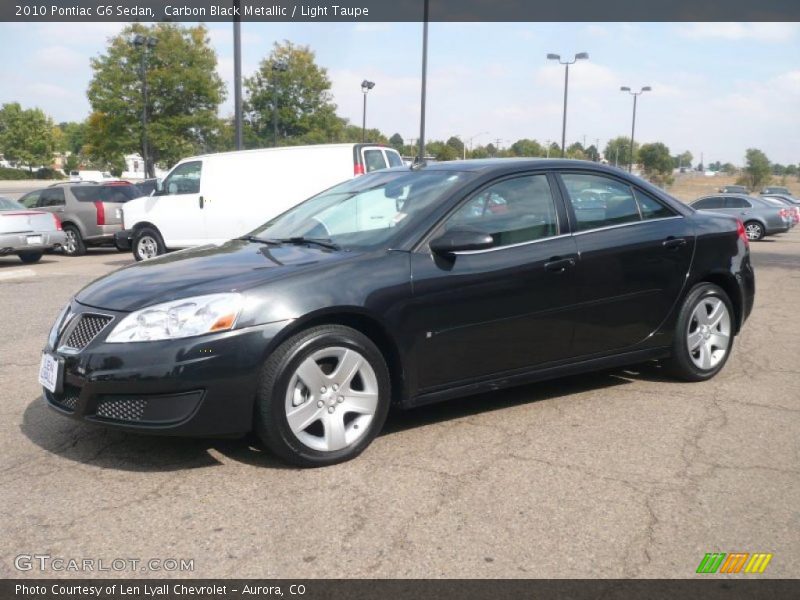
(178, 210)
(373, 158)
(635, 254)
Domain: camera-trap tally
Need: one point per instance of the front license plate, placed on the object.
(34, 239)
(48, 372)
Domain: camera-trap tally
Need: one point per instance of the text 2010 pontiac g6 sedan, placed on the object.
(406, 286)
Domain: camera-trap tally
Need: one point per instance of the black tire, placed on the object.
(271, 423)
(145, 239)
(681, 364)
(74, 245)
(754, 231)
(31, 257)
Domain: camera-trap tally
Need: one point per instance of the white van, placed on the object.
(95, 176)
(217, 197)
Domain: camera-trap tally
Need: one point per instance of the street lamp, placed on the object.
(279, 66)
(366, 86)
(566, 63)
(635, 95)
(146, 43)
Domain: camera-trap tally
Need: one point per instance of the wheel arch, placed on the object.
(363, 322)
(730, 286)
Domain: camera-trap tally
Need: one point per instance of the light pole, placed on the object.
(635, 95)
(237, 76)
(470, 142)
(366, 86)
(566, 63)
(279, 66)
(145, 43)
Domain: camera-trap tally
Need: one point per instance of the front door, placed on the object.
(178, 209)
(506, 308)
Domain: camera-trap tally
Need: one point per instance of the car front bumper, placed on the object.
(200, 386)
(11, 243)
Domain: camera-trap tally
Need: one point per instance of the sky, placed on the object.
(718, 88)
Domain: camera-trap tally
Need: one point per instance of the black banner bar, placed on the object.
(385, 589)
(399, 10)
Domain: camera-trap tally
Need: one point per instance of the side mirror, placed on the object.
(460, 240)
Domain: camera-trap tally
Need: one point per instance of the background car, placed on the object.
(147, 186)
(792, 204)
(760, 218)
(734, 189)
(88, 211)
(775, 190)
(27, 233)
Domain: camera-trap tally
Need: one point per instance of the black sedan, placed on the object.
(403, 287)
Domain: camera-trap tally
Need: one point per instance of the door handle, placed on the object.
(672, 243)
(559, 265)
(201, 201)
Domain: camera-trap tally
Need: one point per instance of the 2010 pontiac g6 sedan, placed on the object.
(404, 287)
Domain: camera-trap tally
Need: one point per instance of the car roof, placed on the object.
(479, 165)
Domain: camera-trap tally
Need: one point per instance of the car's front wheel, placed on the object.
(754, 230)
(324, 396)
(703, 335)
(147, 244)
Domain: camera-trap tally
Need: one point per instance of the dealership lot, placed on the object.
(619, 474)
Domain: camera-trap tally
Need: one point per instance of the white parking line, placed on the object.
(17, 273)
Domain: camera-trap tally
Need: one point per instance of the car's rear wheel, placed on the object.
(30, 257)
(323, 397)
(74, 244)
(147, 244)
(704, 334)
(754, 230)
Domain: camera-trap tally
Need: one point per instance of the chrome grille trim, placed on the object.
(81, 330)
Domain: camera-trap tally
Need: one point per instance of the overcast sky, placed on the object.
(718, 88)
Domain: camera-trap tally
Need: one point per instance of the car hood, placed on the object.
(236, 265)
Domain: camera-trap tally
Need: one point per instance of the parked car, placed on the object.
(401, 287)
(792, 204)
(216, 197)
(760, 218)
(27, 233)
(767, 191)
(734, 189)
(88, 211)
(147, 186)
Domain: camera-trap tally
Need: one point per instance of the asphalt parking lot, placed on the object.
(618, 474)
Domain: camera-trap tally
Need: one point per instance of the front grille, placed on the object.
(122, 409)
(86, 329)
(66, 400)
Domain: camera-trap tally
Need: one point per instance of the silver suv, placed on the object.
(89, 212)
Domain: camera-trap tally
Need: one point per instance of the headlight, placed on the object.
(179, 319)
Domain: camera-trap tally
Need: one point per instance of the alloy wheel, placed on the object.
(71, 242)
(754, 231)
(331, 399)
(709, 336)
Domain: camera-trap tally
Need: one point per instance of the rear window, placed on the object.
(394, 158)
(374, 160)
(105, 193)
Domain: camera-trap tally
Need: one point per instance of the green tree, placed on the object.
(656, 162)
(576, 151)
(618, 151)
(684, 159)
(526, 147)
(290, 80)
(592, 153)
(758, 171)
(184, 95)
(396, 142)
(457, 145)
(74, 136)
(26, 135)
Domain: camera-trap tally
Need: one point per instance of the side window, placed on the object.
(511, 211)
(394, 158)
(600, 201)
(373, 159)
(30, 200)
(52, 197)
(736, 203)
(184, 179)
(650, 208)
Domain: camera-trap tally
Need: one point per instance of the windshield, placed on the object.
(6, 204)
(366, 211)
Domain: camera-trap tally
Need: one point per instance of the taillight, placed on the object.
(101, 213)
(358, 169)
(58, 222)
(783, 213)
(742, 233)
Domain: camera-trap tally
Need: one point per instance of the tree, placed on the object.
(442, 151)
(656, 162)
(684, 159)
(26, 136)
(184, 95)
(526, 147)
(618, 151)
(491, 150)
(728, 168)
(301, 93)
(576, 151)
(592, 153)
(758, 172)
(396, 142)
